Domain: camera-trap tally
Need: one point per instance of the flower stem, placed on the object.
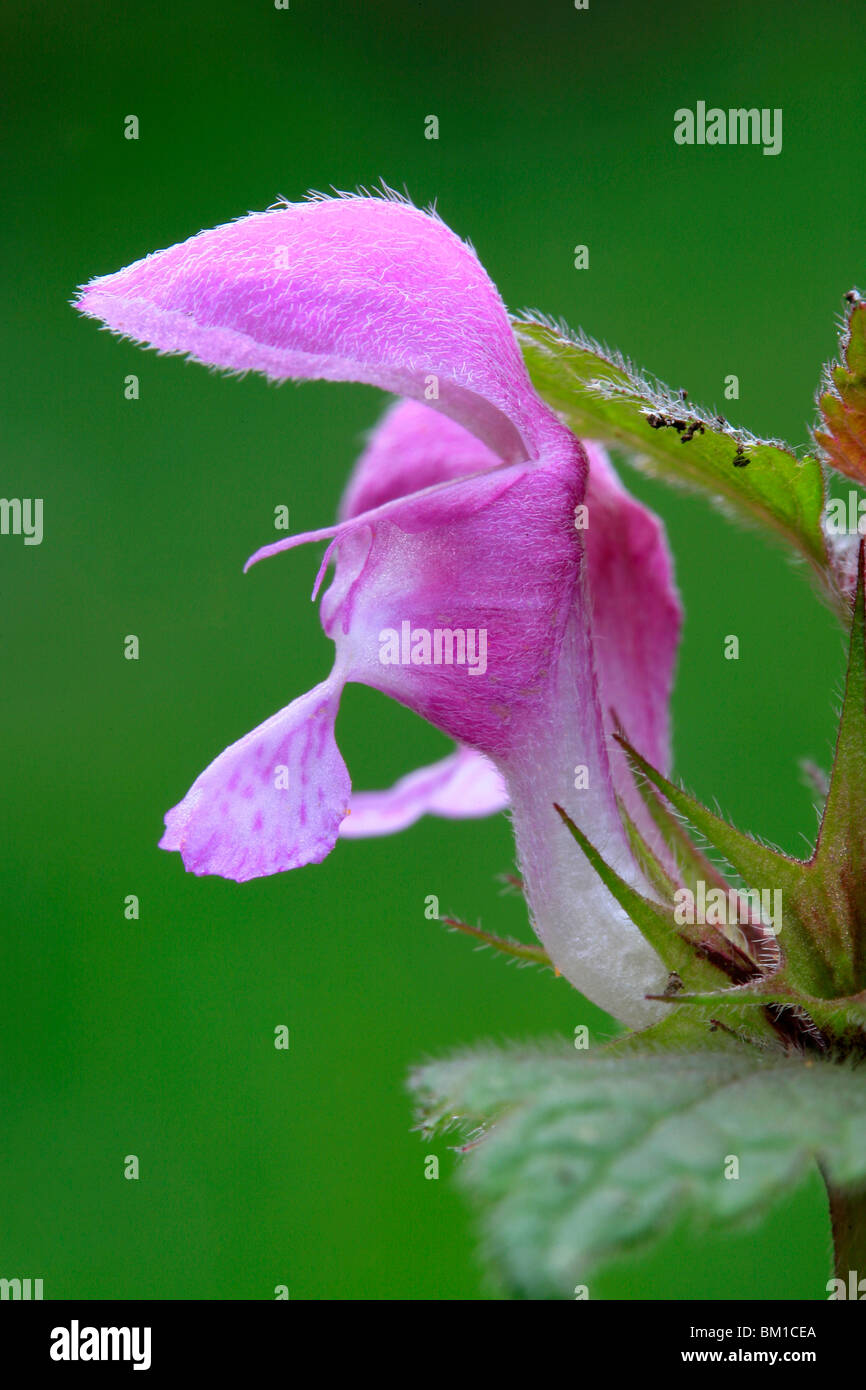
(848, 1223)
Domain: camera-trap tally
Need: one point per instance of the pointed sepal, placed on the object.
(819, 968)
(699, 956)
(764, 870)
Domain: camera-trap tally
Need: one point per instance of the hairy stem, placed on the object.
(848, 1223)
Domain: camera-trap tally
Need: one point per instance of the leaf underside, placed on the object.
(579, 1159)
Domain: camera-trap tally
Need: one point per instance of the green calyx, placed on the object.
(796, 974)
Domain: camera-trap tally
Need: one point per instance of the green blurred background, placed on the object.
(155, 1037)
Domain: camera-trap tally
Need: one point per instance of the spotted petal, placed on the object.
(272, 801)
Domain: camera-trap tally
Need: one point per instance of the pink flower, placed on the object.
(461, 584)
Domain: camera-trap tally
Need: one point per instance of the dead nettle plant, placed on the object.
(485, 503)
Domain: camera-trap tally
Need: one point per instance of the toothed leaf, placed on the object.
(842, 397)
(586, 1157)
(601, 397)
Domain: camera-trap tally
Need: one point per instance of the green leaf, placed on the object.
(842, 396)
(600, 396)
(578, 1158)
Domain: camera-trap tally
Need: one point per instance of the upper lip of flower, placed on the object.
(375, 290)
(337, 288)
